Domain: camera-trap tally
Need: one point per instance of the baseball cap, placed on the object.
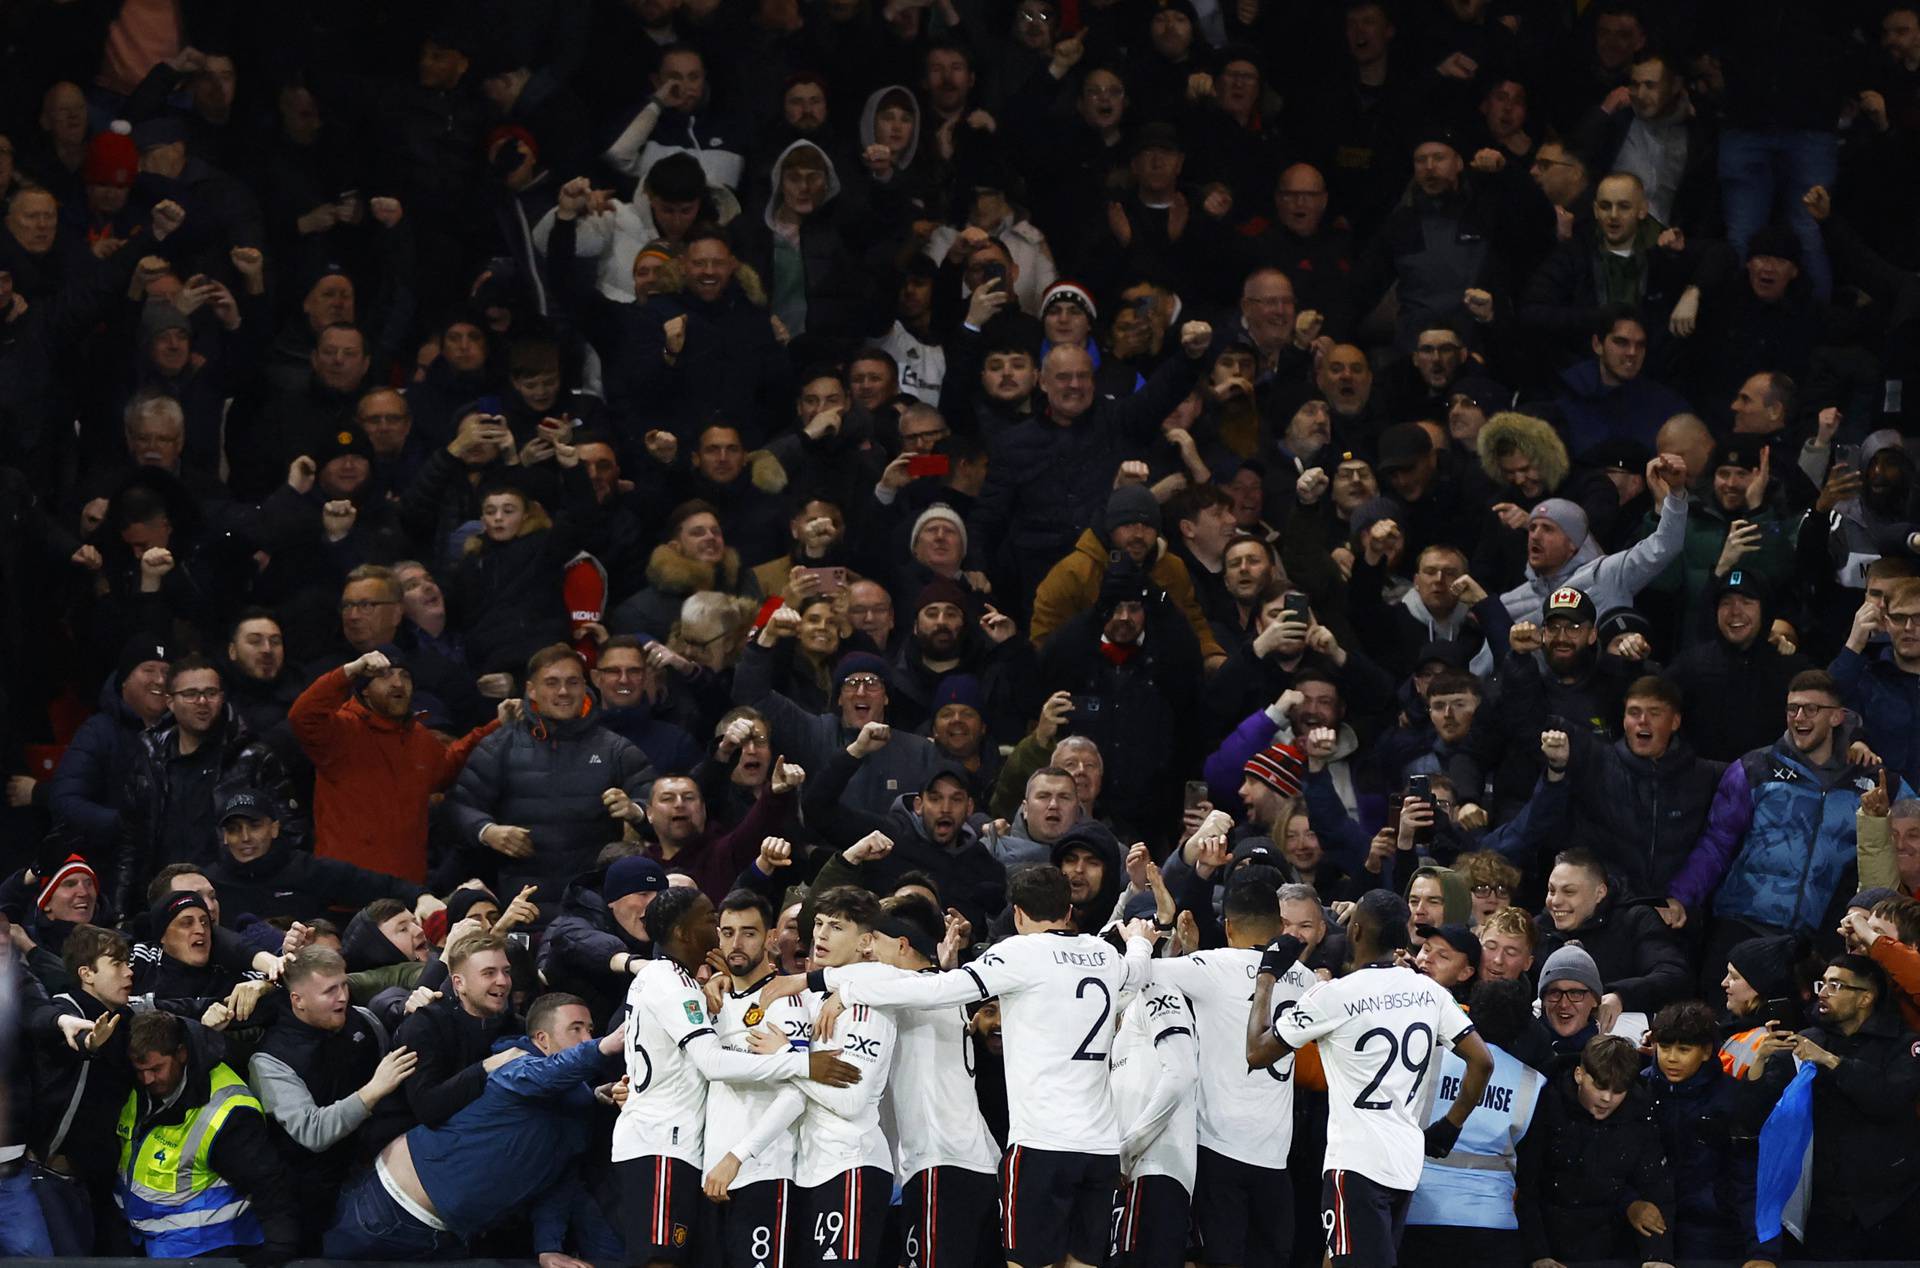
(1459, 937)
(248, 803)
(1402, 446)
(1569, 604)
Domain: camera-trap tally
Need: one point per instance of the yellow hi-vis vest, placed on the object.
(175, 1203)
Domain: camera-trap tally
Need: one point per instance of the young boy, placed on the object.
(1711, 1145)
(1593, 1180)
(81, 1078)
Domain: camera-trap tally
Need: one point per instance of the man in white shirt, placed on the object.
(1057, 989)
(672, 1052)
(844, 1165)
(1379, 1029)
(1156, 1070)
(758, 1202)
(1243, 1199)
(945, 1158)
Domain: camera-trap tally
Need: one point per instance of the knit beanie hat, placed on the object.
(171, 906)
(632, 875)
(1767, 963)
(1564, 515)
(158, 317)
(859, 663)
(112, 158)
(139, 649)
(1571, 964)
(939, 511)
(1280, 767)
(940, 590)
(1072, 293)
(73, 865)
(1131, 504)
(1371, 512)
(960, 689)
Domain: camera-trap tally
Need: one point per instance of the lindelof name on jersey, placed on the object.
(1085, 959)
(1389, 1001)
(1496, 1098)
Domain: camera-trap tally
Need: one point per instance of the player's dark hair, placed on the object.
(1252, 902)
(1040, 891)
(1612, 1063)
(918, 880)
(665, 913)
(918, 911)
(850, 903)
(1381, 916)
(1502, 1011)
(747, 900)
(1683, 1023)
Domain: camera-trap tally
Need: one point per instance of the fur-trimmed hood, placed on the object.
(673, 573)
(1533, 437)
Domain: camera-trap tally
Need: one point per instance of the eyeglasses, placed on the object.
(197, 695)
(365, 605)
(1903, 620)
(1103, 93)
(1827, 986)
(1490, 891)
(1437, 349)
(1556, 995)
(863, 682)
(1803, 708)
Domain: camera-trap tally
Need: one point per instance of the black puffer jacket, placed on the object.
(1638, 957)
(1577, 1176)
(1047, 482)
(290, 882)
(1139, 712)
(1640, 816)
(169, 805)
(547, 775)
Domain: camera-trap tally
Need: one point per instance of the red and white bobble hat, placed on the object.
(72, 865)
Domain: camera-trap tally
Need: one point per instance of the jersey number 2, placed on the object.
(1082, 1053)
(1400, 1049)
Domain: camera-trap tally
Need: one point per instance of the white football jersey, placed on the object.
(1058, 992)
(734, 1109)
(840, 1126)
(1155, 1060)
(931, 1102)
(1380, 1031)
(1245, 1114)
(671, 1053)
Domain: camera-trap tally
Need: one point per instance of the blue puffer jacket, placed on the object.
(1791, 825)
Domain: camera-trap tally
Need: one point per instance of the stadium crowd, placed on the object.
(956, 632)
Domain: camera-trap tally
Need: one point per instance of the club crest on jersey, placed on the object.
(754, 1015)
(679, 1234)
(694, 1014)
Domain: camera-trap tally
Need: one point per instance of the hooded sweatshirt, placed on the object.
(788, 283)
(1097, 912)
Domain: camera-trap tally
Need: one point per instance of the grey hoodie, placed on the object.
(869, 111)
